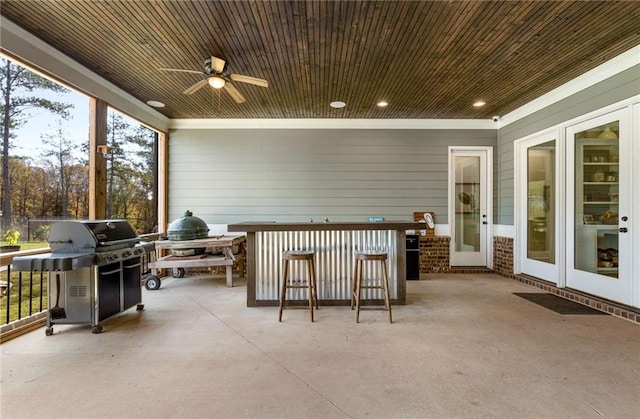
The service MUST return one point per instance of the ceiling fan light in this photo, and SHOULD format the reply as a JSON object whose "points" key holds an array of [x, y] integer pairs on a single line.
{"points": [[216, 82]]}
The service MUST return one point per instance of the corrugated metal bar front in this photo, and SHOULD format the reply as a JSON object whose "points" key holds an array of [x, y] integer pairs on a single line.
{"points": [[334, 260]]}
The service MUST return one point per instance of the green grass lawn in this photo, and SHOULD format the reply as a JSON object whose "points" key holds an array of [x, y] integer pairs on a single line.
{"points": [[24, 299], [28, 245]]}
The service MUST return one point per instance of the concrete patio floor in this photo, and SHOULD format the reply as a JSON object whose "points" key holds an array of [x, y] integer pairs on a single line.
{"points": [[463, 346]]}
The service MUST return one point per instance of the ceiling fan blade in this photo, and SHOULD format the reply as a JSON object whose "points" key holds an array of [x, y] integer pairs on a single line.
{"points": [[181, 70], [217, 64], [234, 93], [250, 80], [199, 85]]}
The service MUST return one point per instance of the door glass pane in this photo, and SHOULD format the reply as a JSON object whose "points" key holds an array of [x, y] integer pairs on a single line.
{"points": [[467, 207], [541, 223], [596, 195]]}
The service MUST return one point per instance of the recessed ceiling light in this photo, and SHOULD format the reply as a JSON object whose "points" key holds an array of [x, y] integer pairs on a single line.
{"points": [[479, 103], [337, 104], [155, 104], [382, 103]]}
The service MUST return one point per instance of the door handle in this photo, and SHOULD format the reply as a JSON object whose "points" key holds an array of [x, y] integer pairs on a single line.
{"points": [[623, 229], [484, 222]]}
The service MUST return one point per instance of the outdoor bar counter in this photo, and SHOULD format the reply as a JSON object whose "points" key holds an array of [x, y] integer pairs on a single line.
{"points": [[333, 244]]}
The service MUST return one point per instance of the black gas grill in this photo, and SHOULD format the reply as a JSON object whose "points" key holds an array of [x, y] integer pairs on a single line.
{"points": [[94, 271]]}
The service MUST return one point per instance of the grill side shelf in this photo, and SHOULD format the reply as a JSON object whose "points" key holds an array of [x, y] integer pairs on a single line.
{"points": [[54, 262]]}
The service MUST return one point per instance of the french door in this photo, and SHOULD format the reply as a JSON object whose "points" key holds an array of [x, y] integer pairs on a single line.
{"points": [[599, 206], [538, 195], [469, 209]]}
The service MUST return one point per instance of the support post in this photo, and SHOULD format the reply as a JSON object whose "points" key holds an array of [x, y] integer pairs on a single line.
{"points": [[97, 161]]}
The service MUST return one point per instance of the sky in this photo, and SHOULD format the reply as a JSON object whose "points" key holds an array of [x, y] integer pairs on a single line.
{"points": [[28, 139]]}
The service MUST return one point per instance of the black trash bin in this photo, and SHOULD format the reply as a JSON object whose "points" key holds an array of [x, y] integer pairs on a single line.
{"points": [[413, 257]]}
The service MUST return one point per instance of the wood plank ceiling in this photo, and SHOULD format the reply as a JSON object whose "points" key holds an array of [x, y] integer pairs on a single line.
{"points": [[427, 59]]}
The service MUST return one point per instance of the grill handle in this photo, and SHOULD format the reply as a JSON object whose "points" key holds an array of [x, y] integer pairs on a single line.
{"points": [[119, 242], [110, 272], [135, 265]]}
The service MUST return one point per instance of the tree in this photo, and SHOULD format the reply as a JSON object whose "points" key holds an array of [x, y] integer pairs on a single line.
{"points": [[20, 169], [144, 138], [44, 197], [61, 148], [130, 172], [17, 84], [117, 128], [79, 190]]}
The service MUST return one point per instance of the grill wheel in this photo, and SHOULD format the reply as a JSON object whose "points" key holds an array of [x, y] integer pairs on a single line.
{"points": [[152, 282]]}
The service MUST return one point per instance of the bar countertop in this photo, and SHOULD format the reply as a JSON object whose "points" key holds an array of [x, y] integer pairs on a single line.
{"points": [[255, 226]]}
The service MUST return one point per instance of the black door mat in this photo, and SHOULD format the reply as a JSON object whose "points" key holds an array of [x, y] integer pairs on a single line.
{"points": [[558, 304]]}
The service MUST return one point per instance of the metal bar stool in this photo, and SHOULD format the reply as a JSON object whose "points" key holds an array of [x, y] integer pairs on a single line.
{"points": [[358, 286], [309, 284]]}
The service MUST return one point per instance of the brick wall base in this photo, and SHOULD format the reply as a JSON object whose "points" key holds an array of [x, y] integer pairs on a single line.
{"points": [[503, 256], [434, 254], [434, 257]]}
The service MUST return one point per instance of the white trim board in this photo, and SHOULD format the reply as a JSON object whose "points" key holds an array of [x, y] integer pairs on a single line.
{"points": [[502, 230], [302, 123]]}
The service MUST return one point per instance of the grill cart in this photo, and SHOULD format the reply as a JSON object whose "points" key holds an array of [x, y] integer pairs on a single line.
{"points": [[94, 271], [191, 246], [226, 250]]}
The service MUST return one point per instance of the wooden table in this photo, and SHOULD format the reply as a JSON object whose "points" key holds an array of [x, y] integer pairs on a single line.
{"points": [[333, 244], [225, 250]]}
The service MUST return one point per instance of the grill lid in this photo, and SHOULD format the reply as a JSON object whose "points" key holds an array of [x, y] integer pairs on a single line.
{"points": [[188, 227], [80, 244], [91, 236]]}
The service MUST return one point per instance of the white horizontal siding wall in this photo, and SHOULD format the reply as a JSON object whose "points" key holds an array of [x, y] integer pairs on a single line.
{"points": [[234, 175]]}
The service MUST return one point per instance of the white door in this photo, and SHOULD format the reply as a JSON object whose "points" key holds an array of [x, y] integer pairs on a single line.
{"points": [[469, 210], [538, 217], [599, 179]]}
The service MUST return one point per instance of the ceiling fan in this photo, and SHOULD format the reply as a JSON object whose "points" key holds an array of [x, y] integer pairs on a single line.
{"points": [[218, 77]]}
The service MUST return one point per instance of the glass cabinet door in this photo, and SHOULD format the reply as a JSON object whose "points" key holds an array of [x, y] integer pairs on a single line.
{"points": [[597, 197], [599, 245]]}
